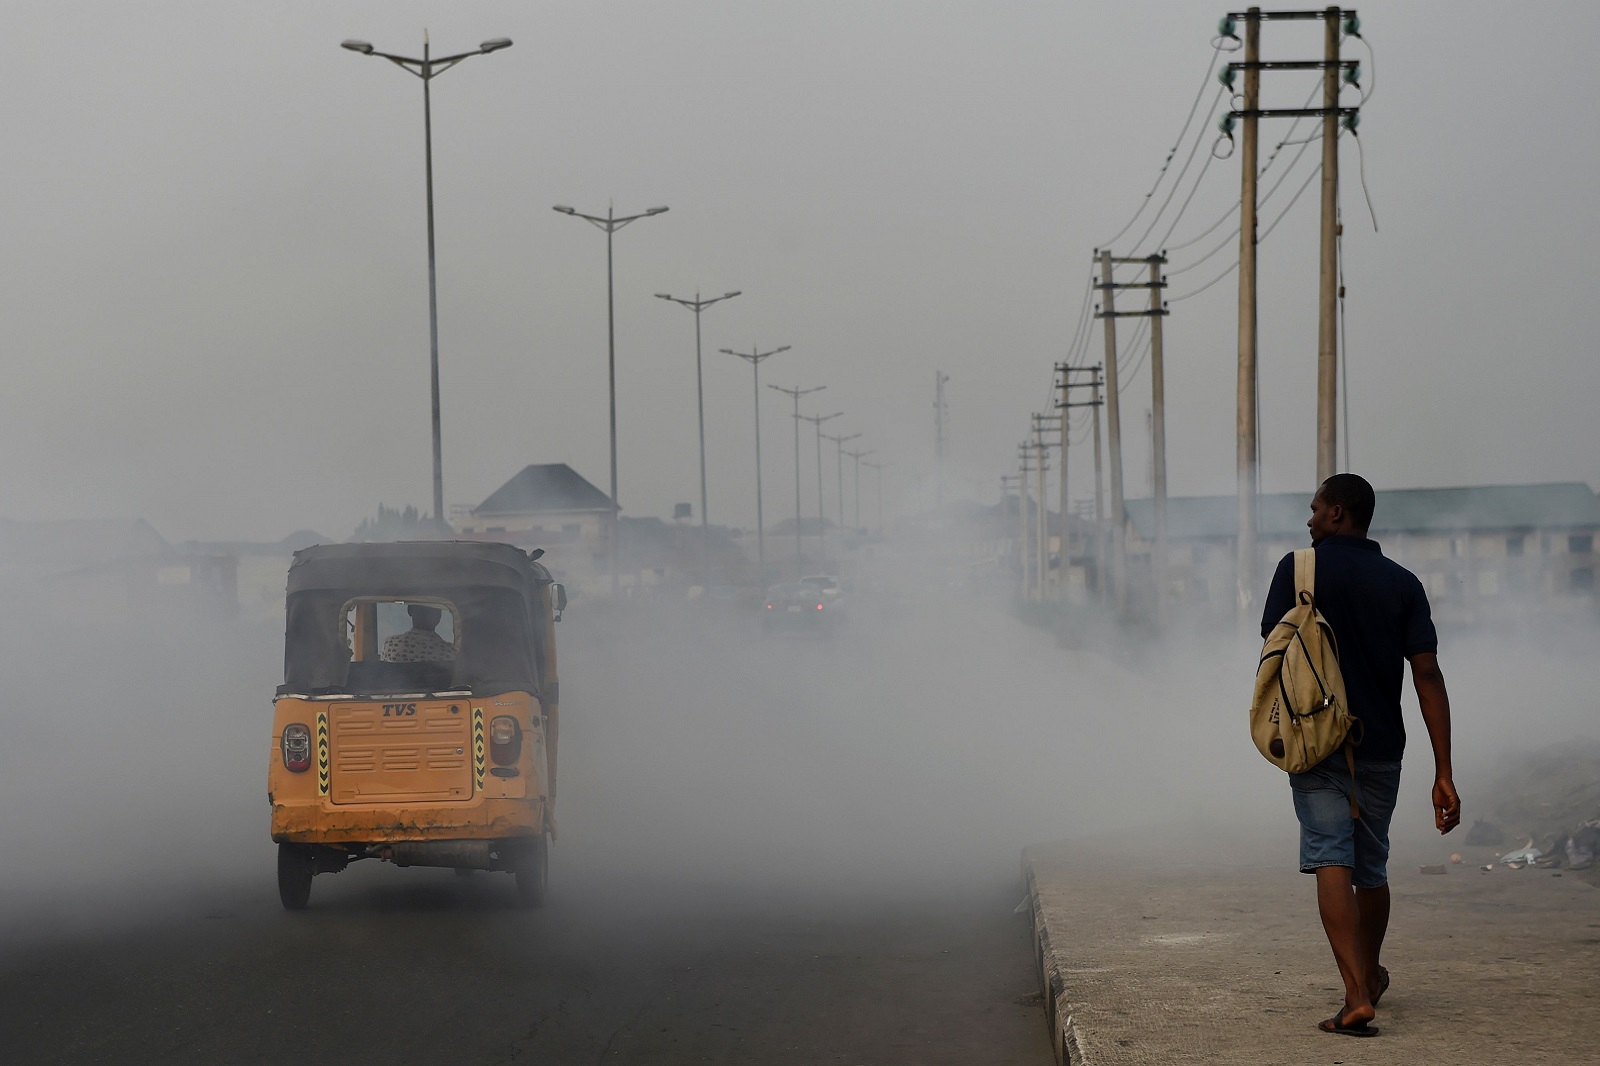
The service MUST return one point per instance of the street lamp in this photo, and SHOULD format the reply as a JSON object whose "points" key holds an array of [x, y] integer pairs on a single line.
{"points": [[610, 224], [822, 519], [697, 305], [878, 467], [858, 456], [839, 443], [755, 358], [427, 68], [797, 392]]}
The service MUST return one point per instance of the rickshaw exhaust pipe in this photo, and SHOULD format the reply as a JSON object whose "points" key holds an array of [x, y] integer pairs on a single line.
{"points": [[461, 854]]}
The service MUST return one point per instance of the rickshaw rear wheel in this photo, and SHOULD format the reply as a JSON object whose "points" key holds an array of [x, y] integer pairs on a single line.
{"points": [[533, 872], [295, 871]]}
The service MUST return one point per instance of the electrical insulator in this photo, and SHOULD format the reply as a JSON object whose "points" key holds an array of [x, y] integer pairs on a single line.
{"points": [[1226, 125], [1352, 76], [1226, 27], [1352, 26], [1351, 121], [1227, 75]]}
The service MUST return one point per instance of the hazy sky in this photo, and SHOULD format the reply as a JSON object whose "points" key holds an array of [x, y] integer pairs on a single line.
{"points": [[213, 256]]}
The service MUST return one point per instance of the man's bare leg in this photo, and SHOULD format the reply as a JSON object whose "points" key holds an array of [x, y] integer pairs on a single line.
{"points": [[1373, 905], [1341, 920]]}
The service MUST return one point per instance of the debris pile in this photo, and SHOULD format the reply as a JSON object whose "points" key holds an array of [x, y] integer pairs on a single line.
{"points": [[1550, 799]]}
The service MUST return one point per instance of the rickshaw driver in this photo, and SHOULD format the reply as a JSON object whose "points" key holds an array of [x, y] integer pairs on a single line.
{"points": [[420, 643]]}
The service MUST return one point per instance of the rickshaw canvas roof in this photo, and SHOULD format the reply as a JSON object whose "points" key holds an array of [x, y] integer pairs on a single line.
{"points": [[412, 568]]}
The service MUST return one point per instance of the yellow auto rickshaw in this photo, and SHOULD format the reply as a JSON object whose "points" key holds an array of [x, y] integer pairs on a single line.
{"points": [[419, 713]]}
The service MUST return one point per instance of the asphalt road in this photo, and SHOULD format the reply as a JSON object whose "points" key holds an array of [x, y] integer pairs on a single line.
{"points": [[771, 851], [406, 966]]}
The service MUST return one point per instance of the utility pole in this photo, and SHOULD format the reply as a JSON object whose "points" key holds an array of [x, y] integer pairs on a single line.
{"points": [[940, 379], [698, 305], [1042, 448], [858, 456], [1066, 404], [1327, 322], [755, 358], [797, 392], [1024, 552], [1158, 435], [1109, 312], [1006, 482], [822, 517], [1328, 281]]}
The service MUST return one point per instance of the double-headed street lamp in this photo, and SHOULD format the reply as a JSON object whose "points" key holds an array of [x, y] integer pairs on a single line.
{"points": [[610, 223], [797, 392], [697, 305], [755, 357], [822, 518], [427, 68], [858, 456], [840, 442]]}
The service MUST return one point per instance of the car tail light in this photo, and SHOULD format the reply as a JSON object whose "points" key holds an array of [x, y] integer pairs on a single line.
{"points": [[819, 606], [505, 739], [296, 748], [769, 606]]}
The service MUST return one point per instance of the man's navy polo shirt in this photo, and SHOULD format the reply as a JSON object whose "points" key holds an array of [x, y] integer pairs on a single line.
{"points": [[1379, 615]]}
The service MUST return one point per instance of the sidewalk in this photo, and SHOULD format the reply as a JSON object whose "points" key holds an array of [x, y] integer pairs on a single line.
{"points": [[1211, 954]]}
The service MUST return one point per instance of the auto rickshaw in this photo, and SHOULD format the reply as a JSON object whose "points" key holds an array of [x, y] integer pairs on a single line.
{"points": [[433, 745]]}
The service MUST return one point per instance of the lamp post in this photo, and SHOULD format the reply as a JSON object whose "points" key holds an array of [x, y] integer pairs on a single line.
{"points": [[858, 456], [878, 467], [797, 392], [822, 518], [840, 442], [610, 224], [427, 68], [755, 357], [697, 305]]}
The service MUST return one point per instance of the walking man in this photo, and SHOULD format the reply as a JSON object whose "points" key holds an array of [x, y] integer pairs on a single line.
{"points": [[1379, 615]]}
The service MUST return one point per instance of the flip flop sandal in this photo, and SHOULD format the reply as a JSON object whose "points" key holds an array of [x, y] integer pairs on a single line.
{"points": [[1383, 985], [1336, 1024]]}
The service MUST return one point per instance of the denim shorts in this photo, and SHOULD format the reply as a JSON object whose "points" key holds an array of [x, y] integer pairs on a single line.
{"points": [[1328, 835]]}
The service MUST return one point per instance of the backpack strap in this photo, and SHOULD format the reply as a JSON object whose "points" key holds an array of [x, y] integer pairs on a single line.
{"points": [[1350, 761], [1305, 575]]}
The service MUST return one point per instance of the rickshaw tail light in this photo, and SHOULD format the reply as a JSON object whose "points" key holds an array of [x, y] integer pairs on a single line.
{"points": [[296, 748], [505, 739]]}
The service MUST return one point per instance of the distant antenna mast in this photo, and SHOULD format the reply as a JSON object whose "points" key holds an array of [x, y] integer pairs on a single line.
{"points": [[940, 378]]}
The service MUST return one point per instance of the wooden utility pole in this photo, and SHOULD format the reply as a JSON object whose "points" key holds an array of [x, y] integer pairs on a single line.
{"points": [[1245, 563], [1119, 552], [1158, 435], [1066, 404], [1335, 20], [1024, 555], [1156, 312], [1042, 448], [1327, 303]]}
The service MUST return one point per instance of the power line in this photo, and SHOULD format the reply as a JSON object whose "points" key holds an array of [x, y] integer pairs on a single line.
{"points": [[1216, 50], [1261, 240], [1176, 182]]}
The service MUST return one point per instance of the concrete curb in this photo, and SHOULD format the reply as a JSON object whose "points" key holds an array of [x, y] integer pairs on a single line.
{"points": [[1066, 1036]]}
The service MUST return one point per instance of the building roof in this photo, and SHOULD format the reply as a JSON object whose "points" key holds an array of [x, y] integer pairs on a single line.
{"points": [[36, 550], [1465, 509], [541, 488]]}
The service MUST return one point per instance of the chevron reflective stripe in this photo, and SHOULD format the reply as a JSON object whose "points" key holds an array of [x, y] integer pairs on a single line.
{"points": [[478, 752], [323, 770]]}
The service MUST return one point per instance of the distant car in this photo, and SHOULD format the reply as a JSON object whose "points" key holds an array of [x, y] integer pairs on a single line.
{"points": [[825, 584], [797, 606]]}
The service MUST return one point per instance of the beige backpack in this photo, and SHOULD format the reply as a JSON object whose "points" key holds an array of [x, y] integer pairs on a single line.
{"points": [[1299, 716]]}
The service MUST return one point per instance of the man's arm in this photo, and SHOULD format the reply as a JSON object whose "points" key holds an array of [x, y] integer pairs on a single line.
{"points": [[1435, 703]]}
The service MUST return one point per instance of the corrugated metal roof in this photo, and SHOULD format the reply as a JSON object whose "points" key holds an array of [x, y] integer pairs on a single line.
{"points": [[1477, 508], [544, 487]]}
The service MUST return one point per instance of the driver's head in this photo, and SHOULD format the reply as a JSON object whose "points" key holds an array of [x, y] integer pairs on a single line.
{"points": [[423, 615]]}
